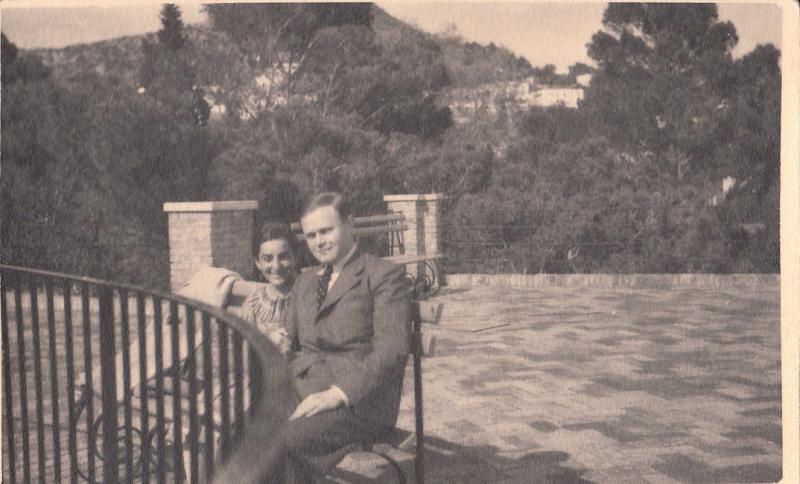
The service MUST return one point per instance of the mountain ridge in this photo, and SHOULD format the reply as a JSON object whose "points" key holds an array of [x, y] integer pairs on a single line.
{"points": [[469, 64]]}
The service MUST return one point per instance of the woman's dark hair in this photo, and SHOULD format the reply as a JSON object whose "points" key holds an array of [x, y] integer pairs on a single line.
{"points": [[272, 231]]}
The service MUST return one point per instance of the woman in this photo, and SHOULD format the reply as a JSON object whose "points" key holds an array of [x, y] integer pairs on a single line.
{"points": [[275, 253]]}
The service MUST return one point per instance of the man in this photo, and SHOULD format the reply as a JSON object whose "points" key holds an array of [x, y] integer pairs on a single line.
{"points": [[350, 320]]}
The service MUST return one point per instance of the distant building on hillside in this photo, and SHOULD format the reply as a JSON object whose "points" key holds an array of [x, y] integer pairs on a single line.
{"points": [[555, 96], [583, 80], [491, 98]]}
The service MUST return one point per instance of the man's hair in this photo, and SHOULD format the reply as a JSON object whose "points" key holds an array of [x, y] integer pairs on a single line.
{"points": [[274, 231], [328, 199]]}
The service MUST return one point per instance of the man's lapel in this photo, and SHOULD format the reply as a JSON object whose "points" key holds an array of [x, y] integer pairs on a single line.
{"points": [[347, 279]]}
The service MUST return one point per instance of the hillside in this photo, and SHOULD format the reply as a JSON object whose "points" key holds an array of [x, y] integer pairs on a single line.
{"points": [[468, 64], [120, 60], [471, 64], [473, 79]]}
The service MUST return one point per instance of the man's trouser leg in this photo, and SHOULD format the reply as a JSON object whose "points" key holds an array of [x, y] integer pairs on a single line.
{"points": [[316, 444], [304, 451]]}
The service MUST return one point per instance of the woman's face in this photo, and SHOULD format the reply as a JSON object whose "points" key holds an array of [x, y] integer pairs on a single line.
{"points": [[277, 263]]}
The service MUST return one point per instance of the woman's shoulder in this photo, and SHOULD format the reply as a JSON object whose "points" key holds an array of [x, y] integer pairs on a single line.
{"points": [[255, 295]]}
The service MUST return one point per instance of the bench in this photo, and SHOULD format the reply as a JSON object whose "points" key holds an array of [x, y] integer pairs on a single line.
{"points": [[426, 279]]}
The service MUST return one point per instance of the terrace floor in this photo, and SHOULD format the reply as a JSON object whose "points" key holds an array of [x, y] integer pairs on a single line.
{"points": [[575, 384]]}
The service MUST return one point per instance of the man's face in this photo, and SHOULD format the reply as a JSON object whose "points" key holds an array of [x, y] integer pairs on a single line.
{"points": [[328, 236]]}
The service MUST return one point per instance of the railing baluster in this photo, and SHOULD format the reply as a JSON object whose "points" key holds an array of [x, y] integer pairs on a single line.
{"points": [[419, 462], [224, 388], [159, 355], [208, 384], [127, 396], [23, 385], [108, 377], [145, 410], [70, 361], [192, 374], [53, 357], [87, 370], [37, 372], [8, 401], [177, 437], [253, 378], [238, 377]]}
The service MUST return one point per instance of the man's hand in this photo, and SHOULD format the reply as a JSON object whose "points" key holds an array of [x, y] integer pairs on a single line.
{"points": [[319, 402]]}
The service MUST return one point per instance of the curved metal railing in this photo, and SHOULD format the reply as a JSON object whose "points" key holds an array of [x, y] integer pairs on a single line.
{"points": [[106, 382]]}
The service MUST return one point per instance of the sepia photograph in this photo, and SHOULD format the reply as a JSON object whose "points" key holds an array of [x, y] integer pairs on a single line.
{"points": [[443, 242]]}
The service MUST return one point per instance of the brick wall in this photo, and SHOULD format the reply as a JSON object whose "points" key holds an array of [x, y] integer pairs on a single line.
{"points": [[215, 234]]}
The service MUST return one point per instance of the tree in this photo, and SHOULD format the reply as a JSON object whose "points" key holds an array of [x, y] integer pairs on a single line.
{"points": [[275, 37], [662, 71], [167, 72], [339, 66], [327, 55], [15, 67], [545, 75], [753, 116], [89, 162], [553, 125], [87, 168], [752, 156], [402, 88], [579, 68], [8, 51], [171, 35], [292, 152], [39, 227]]}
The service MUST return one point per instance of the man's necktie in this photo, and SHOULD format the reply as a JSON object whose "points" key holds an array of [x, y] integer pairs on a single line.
{"points": [[322, 285]]}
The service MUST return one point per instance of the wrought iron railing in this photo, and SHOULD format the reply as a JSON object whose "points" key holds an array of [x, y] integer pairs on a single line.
{"points": [[110, 383]]}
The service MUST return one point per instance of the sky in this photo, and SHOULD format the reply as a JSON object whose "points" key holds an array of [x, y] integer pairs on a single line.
{"points": [[544, 33]]}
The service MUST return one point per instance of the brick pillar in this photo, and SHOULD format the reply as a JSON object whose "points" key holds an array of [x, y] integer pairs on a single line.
{"points": [[215, 234], [423, 218]]}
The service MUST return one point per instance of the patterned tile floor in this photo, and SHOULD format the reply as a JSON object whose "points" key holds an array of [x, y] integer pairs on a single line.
{"points": [[599, 385]]}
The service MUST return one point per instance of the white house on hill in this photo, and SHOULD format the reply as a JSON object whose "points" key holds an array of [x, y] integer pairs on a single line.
{"points": [[554, 96]]}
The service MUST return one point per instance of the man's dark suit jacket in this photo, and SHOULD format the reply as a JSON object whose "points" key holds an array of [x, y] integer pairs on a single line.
{"points": [[359, 338]]}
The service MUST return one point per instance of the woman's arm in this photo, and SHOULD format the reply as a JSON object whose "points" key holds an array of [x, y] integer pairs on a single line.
{"points": [[242, 288]]}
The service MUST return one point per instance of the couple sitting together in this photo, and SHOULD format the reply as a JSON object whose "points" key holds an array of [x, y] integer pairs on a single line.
{"points": [[344, 329]]}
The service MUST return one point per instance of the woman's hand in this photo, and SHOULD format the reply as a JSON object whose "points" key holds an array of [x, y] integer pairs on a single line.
{"points": [[280, 338]]}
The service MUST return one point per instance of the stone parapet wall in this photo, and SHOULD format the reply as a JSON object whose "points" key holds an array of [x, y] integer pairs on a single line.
{"points": [[613, 280]]}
